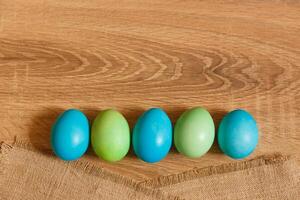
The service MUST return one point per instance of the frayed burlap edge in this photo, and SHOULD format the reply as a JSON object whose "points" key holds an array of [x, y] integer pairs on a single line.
{"points": [[87, 168], [270, 159], [149, 187]]}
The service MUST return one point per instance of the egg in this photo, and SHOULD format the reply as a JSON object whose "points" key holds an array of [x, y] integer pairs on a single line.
{"points": [[194, 132], [70, 135], [152, 135], [110, 135], [238, 134]]}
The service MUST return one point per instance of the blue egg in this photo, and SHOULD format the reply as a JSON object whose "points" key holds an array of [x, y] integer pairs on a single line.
{"points": [[238, 134], [152, 135], [70, 135]]}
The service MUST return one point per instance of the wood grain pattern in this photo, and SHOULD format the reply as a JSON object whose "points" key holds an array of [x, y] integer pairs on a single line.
{"points": [[132, 55]]}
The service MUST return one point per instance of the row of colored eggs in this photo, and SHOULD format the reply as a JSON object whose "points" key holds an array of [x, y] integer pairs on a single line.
{"points": [[194, 133]]}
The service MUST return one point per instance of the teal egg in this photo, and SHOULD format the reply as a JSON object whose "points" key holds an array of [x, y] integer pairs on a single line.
{"points": [[238, 134], [70, 135], [152, 135]]}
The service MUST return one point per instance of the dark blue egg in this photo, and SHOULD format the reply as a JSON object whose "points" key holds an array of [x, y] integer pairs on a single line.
{"points": [[238, 134], [70, 135], [152, 135]]}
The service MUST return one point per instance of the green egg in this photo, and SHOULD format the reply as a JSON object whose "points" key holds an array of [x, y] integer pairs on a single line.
{"points": [[194, 132], [110, 135]]}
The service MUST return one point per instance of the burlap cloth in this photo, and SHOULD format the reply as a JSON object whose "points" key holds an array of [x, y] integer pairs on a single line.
{"points": [[29, 174]]}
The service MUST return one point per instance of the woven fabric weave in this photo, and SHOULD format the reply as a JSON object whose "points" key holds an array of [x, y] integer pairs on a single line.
{"points": [[29, 174]]}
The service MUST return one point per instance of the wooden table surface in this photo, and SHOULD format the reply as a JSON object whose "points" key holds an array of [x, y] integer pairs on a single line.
{"points": [[133, 55]]}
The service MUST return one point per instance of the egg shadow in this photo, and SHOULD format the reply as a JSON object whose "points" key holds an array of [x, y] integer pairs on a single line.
{"points": [[132, 116], [174, 113], [91, 113], [217, 116], [41, 123], [39, 130]]}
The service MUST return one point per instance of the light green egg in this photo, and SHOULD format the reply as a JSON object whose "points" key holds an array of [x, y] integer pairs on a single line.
{"points": [[194, 132], [110, 135]]}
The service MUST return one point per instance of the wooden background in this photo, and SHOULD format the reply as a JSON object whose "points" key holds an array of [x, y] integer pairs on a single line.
{"points": [[132, 55]]}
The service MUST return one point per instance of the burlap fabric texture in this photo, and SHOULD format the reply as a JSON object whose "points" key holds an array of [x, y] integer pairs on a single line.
{"points": [[28, 174]]}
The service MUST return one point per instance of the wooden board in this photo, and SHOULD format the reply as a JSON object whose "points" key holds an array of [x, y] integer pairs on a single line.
{"points": [[133, 55]]}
